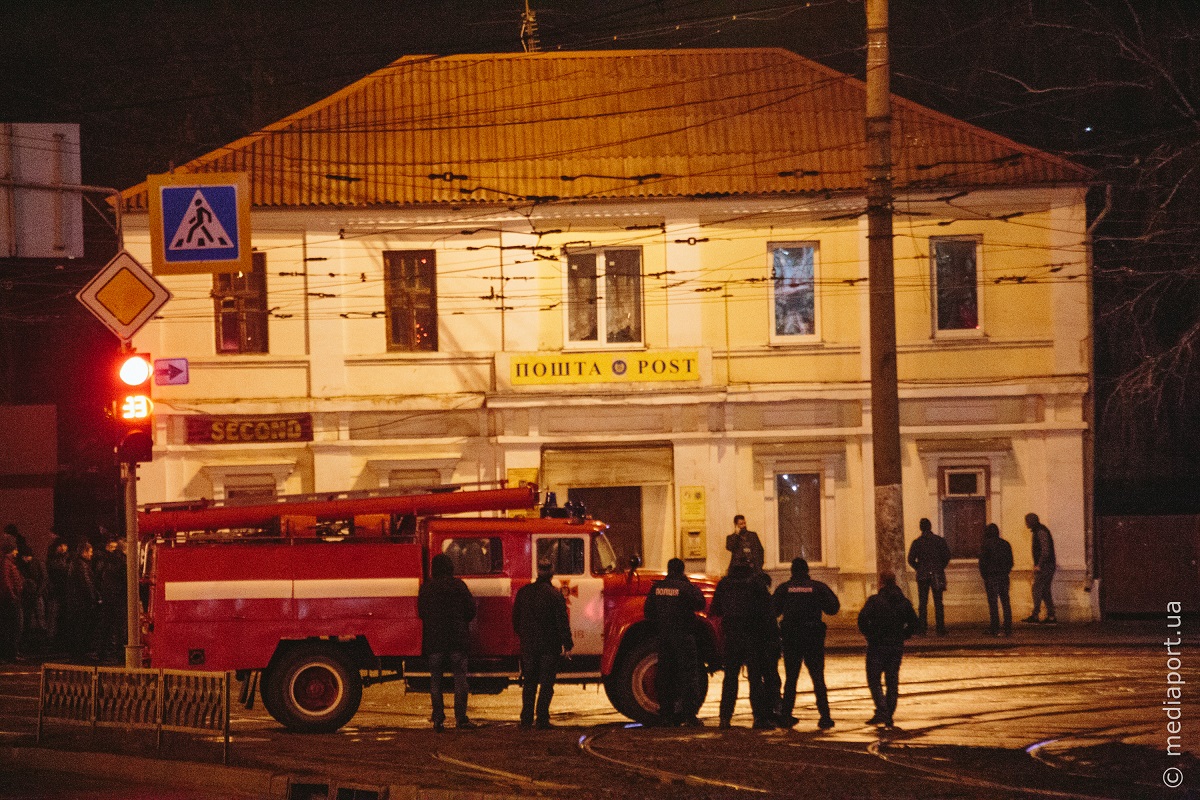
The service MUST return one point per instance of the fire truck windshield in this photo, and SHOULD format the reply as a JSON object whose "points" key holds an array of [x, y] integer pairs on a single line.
{"points": [[604, 560]]}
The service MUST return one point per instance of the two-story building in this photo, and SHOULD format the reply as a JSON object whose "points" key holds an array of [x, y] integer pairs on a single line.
{"points": [[639, 278]]}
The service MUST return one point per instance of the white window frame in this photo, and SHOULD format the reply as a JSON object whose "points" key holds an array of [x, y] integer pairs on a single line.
{"points": [[956, 333], [937, 463], [826, 466], [601, 342], [794, 338]]}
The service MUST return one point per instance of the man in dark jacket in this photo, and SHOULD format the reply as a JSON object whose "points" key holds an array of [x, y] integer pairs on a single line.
{"points": [[801, 602], [79, 616], [110, 570], [544, 628], [671, 608], [744, 546], [995, 563], [886, 620], [743, 605], [12, 588], [446, 608], [929, 556], [1045, 563]]}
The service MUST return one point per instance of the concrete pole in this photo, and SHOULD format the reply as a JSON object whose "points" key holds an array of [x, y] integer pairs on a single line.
{"points": [[885, 402]]}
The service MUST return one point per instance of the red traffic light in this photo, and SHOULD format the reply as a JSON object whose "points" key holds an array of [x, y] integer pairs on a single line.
{"points": [[133, 408]]}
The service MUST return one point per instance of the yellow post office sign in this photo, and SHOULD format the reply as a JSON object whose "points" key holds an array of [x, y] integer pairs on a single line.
{"points": [[617, 367]]}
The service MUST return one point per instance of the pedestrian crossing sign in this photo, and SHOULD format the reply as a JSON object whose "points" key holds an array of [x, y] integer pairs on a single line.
{"points": [[200, 223]]}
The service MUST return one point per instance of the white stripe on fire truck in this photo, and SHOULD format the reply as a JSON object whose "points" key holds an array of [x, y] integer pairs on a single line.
{"points": [[286, 590], [489, 587]]}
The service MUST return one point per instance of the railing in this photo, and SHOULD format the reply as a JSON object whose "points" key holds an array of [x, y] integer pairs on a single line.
{"points": [[174, 700]]}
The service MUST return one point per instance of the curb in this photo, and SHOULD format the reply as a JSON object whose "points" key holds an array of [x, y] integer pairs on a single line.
{"points": [[235, 781]]}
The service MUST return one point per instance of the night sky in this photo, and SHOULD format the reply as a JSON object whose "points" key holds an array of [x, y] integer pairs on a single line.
{"points": [[154, 84]]}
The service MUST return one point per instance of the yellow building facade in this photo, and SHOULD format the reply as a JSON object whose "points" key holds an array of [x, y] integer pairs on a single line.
{"points": [[677, 333]]}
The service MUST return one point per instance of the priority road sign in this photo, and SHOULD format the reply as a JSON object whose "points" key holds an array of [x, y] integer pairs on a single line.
{"points": [[123, 295], [200, 223]]}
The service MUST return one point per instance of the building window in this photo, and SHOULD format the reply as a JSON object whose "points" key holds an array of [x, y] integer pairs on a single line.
{"points": [[955, 284], [250, 490], [963, 495], [604, 296], [240, 301], [793, 290], [410, 292], [798, 504]]}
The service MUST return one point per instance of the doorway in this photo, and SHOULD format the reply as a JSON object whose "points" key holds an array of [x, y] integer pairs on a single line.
{"points": [[621, 508]]}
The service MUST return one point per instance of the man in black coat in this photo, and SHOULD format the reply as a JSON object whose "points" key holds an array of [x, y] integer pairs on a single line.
{"points": [[110, 576], [886, 620], [671, 608], [1045, 563], [929, 556], [541, 622], [744, 546], [995, 563], [743, 604], [446, 608], [801, 602]]}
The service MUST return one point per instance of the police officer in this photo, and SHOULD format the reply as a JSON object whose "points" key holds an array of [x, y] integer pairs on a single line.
{"points": [[801, 602], [743, 604], [541, 623], [671, 608]]}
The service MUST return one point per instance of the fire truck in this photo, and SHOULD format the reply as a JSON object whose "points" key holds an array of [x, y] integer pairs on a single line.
{"points": [[309, 599]]}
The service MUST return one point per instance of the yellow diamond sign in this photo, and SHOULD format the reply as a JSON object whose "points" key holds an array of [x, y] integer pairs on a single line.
{"points": [[124, 295]]}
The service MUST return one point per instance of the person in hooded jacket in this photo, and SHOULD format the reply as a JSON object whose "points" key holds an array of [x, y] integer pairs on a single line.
{"points": [[671, 608], [543, 626], [800, 602], [58, 572], [886, 620], [995, 563], [446, 608]]}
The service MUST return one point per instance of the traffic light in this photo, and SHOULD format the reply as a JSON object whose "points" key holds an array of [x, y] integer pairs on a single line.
{"points": [[133, 409]]}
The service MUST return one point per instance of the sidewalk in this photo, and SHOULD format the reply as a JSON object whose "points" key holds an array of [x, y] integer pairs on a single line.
{"points": [[1109, 634]]}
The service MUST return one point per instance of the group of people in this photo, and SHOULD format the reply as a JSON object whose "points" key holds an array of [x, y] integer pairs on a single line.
{"points": [[929, 556], [73, 602], [446, 608], [759, 627]]}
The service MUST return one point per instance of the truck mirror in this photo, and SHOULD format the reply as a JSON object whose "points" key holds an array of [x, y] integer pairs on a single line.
{"points": [[635, 561]]}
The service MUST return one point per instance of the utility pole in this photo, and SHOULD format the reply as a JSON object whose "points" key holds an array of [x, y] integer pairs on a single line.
{"points": [[885, 400]]}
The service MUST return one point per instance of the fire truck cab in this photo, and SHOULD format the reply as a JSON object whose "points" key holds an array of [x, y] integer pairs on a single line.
{"points": [[317, 598]]}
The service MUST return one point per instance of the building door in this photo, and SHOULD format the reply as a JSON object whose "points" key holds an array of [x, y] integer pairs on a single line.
{"points": [[621, 508]]}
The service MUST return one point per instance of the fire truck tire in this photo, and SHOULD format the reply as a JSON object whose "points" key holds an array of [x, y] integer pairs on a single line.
{"points": [[313, 689], [631, 690]]}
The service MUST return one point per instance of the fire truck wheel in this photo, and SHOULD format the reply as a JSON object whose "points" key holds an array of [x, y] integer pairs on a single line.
{"points": [[314, 690], [631, 686]]}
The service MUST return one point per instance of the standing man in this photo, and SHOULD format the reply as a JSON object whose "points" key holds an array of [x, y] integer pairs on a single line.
{"points": [[12, 587], [541, 622], [1044, 566], [744, 546], [801, 602], [671, 610], [109, 572], [995, 562], [743, 605], [886, 620], [80, 612], [446, 608], [929, 556]]}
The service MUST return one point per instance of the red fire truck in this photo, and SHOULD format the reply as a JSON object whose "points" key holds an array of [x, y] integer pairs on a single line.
{"points": [[312, 598]]}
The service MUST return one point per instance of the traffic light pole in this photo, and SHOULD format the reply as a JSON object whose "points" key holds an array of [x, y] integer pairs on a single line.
{"points": [[134, 651]]}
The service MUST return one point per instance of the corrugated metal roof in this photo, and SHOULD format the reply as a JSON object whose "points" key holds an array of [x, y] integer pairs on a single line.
{"points": [[611, 124]]}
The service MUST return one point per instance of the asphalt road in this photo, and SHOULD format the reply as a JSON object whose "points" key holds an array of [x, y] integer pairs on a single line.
{"points": [[1019, 720]]}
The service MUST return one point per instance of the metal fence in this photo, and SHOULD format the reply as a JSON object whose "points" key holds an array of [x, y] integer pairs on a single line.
{"points": [[177, 700]]}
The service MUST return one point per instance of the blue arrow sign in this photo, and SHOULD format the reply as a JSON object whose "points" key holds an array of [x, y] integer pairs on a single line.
{"points": [[170, 371]]}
